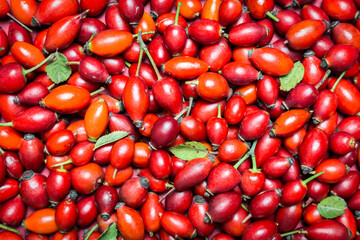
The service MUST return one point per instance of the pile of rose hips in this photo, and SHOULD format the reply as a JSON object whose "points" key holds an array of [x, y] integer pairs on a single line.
{"points": [[219, 131]]}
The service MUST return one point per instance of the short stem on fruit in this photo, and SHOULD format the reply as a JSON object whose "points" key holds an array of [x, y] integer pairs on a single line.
{"points": [[312, 178], [219, 111], [73, 63], [143, 46], [40, 64], [166, 194], [246, 218], [127, 64], [191, 100], [177, 13], [139, 61], [244, 207], [144, 33], [337, 81], [20, 23], [327, 73], [62, 163], [9, 229], [88, 234], [84, 13], [225, 35], [289, 233], [2, 151], [169, 185], [270, 15], [253, 160], [246, 156], [97, 91], [115, 172], [6, 124], [2, 48], [51, 86], [181, 113], [194, 82]]}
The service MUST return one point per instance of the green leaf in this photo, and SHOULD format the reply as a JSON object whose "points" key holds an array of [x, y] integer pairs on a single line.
{"points": [[109, 138], [189, 150], [332, 207], [290, 80], [58, 70], [110, 233]]}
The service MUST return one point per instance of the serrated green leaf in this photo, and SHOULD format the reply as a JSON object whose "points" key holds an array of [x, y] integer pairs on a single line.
{"points": [[332, 207], [290, 80], [109, 138], [58, 70], [110, 233], [189, 150]]}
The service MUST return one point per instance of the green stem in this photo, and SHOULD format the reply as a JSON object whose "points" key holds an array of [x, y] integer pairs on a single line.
{"points": [[20, 23], [6, 124], [140, 58], [143, 46], [253, 160], [270, 15], [219, 111], [290, 233], [181, 113], [25, 72], [177, 13], [194, 82], [127, 64], [91, 231], [337, 81], [2, 48], [327, 73], [9, 229], [73, 63], [241, 161], [62, 163], [145, 33], [191, 99], [312, 178], [97, 91], [2, 151], [115, 172], [244, 207]]}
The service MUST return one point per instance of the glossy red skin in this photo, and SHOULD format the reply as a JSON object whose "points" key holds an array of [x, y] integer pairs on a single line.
{"points": [[328, 126], [341, 57], [8, 189], [40, 38], [15, 72], [312, 215], [347, 95], [222, 236], [66, 215], [354, 201], [193, 129], [164, 132], [276, 166], [240, 73], [267, 90], [293, 54], [205, 31], [349, 159], [17, 33], [50, 11], [159, 7], [122, 153], [131, 10], [33, 191], [121, 122], [82, 153], [232, 149], [88, 27], [258, 8], [345, 33], [117, 85], [14, 168], [12, 212], [268, 24], [311, 11], [264, 204], [229, 12], [191, 48], [194, 172], [179, 201], [244, 17], [266, 147], [150, 213], [3, 43], [74, 53], [333, 169], [167, 94], [326, 229], [160, 164], [348, 220], [135, 98], [93, 70], [254, 33], [342, 10], [10, 235], [347, 186], [234, 225], [289, 122], [32, 94], [302, 96], [305, 34], [350, 125], [95, 7], [322, 46], [71, 235], [222, 206], [222, 178], [177, 224], [147, 73], [9, 109], [217, 130], [251, 182], [132, 53], [87, 211], [77, 80], [113, 18], [216, 55], [293, 192], [196, 215], [106, 198], [254, 125], [177, 165], [271, 184], [158, 51], [271, 61], [313, 72], [167, 19], [287, 218], [262, 229], [183, 68], [293, 142], [31, 153], [134, 192], [87, 178], [287, 19], [234, 109], [60, 142], [156, 185], [175, 38], [149, 121], [310, 156], [58, 185], [341, 143]]}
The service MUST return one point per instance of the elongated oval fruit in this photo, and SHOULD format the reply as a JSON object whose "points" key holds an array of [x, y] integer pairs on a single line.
{"points": [[183, 68], [41, 221], [271, 61], [289, 122]]}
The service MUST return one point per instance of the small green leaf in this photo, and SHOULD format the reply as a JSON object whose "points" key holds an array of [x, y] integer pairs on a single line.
{"points": [[332, 207], [290, 80], [58, 70], [189, 150], [109, 138], [110, 233]]}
